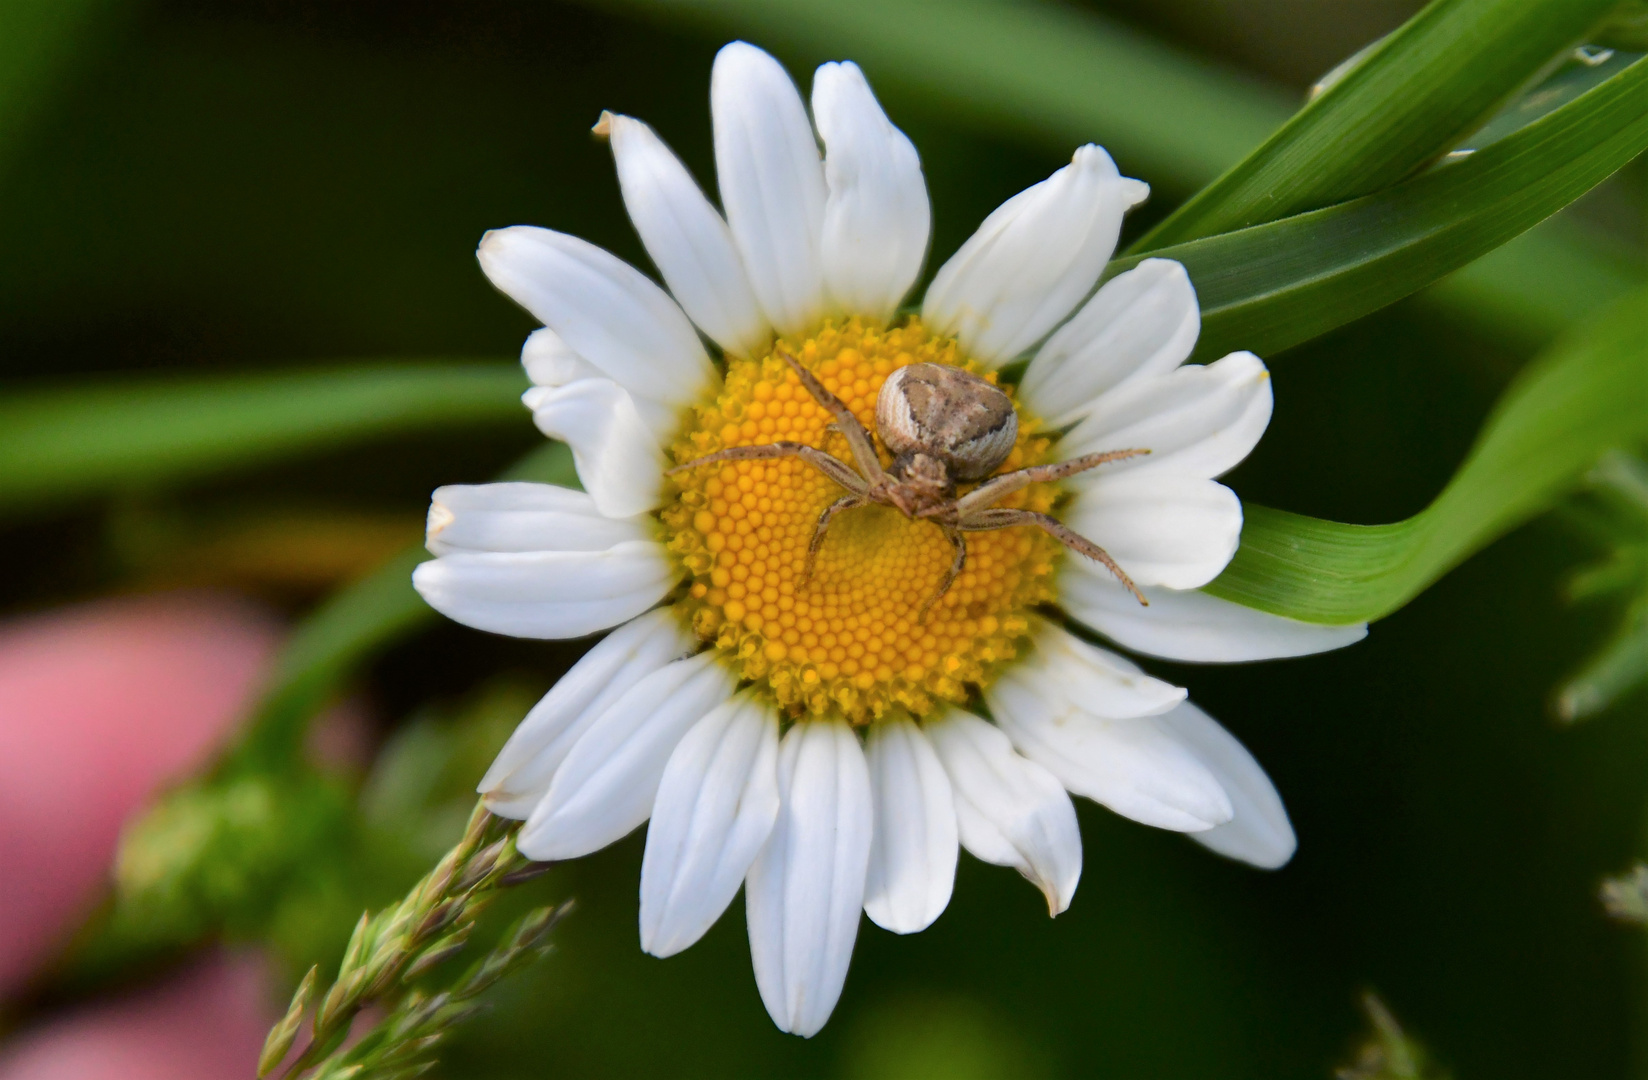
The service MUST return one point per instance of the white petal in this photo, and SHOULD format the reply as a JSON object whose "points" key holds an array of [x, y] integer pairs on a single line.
{"points": [[605, 310], [607, 784], [805, 890], [1163, 528], [617, 454], [1010, 811], [1192, 625], [547, 594], [1198, 421], [1033, 259], [521, 773], [1094, 680], [913, 846], [549, 361], [686, 237], [521, 516], [1136, 767], [876, 218], [1140, 323], [772, 183], [715, 808], [1260, 833]]}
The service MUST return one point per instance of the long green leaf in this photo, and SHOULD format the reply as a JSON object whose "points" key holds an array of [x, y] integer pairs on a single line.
{"points": [[71, 442], [1410, 100], [1272, 286], [1585, 396], [353, 625]]}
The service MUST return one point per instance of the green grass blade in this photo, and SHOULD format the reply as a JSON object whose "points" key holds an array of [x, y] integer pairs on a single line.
{"points": [[1272, 286], [1418, 92], [1585, 396], [351, 626], [68, 443]]}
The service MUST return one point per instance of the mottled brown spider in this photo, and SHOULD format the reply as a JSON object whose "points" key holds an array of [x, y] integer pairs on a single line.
{"points": [[943, 426]]}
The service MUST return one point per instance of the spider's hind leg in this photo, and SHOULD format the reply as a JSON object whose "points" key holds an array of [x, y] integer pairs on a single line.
{"points": [[1000, 518]]}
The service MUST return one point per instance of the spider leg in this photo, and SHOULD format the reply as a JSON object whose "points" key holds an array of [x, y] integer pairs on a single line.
{"points": [[863, 449], [834, 468], [957, 564], [999, 518], [846, 502], [994, 490]]}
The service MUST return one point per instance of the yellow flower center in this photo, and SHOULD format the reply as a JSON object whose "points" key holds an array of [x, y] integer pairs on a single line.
{"points": [[850, 638]]}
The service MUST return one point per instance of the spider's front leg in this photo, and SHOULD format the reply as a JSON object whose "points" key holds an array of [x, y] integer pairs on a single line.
{"points": [[999, 518], [845, 422], [834, 468], [994, 490]]}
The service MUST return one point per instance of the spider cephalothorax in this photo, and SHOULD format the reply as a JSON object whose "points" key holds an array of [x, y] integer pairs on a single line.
{"points": [[943, 426]]}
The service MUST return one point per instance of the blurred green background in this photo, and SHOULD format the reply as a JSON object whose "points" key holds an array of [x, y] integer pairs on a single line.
{"points": [[193, 187]]}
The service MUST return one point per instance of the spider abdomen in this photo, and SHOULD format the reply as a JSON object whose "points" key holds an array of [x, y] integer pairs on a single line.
{"points": [[948, 414]]}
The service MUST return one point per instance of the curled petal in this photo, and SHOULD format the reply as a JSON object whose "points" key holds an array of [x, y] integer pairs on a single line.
{"points": [[1163, 528], [1033, 259], [715, 808], [876, 216], [617, 455], [1260, 833], [913, 845], [523, 769], [1094, 680], [687, 239], [1197, 421], [606, 311], [1140, 323], [806, 888], [547, 594], [1136, 767], [1194, 626], [772, 183], [550, 361], [1009, 810], [607, 784], [519, 516]]}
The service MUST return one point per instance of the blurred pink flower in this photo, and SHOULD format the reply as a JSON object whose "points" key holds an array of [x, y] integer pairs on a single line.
{"points": [[101, 705], [206, 1023]]}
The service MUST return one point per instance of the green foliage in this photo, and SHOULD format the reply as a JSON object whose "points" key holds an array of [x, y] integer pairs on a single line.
{"points": [[1411, 99], [391, 951], [214, 854], [1616, 516], [1567, 409], [1273, 286], [69, 443], [1389, 1052]]}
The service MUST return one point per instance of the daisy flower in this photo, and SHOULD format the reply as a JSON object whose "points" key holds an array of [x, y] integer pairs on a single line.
{"points": [[824, 715]]}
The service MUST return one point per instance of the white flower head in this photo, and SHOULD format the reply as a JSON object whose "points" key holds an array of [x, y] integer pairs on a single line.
{"points": [[785, 692]]}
